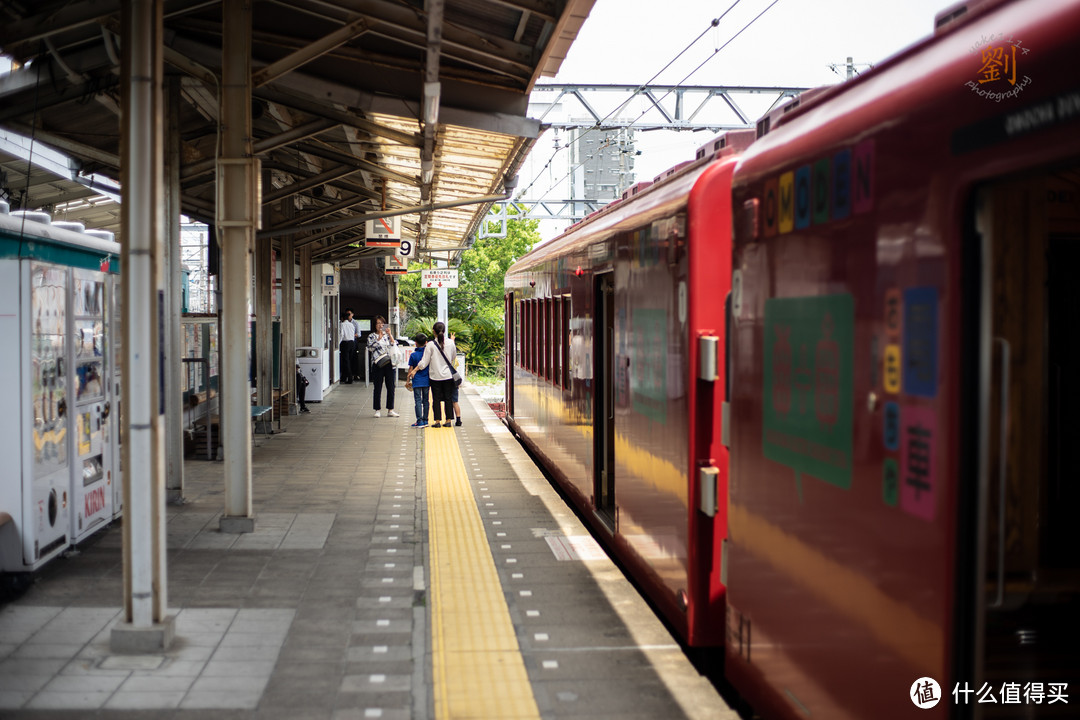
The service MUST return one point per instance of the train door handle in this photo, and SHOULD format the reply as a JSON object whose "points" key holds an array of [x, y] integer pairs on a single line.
{"points": [[1003, 457]]}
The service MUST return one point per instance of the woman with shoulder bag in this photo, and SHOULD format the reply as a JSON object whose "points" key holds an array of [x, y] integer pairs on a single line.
{"points": [[439, 357], [379, 342]]}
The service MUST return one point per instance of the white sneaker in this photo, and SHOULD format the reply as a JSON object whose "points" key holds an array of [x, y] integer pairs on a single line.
{"points": [[391, 413], [378, 414]]}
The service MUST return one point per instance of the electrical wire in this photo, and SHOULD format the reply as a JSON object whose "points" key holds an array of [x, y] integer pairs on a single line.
{"points": [[679, 84], [712, 24]]}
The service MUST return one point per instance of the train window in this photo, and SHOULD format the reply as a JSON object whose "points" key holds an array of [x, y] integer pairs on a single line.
{"points": [[526, 338], [556, 341], [523, 358], [565, 335], [547, 338], [516, 339], [533, 335]]}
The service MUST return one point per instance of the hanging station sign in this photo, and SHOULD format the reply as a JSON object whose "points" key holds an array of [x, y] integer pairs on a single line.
{"points": [[382, 232]]}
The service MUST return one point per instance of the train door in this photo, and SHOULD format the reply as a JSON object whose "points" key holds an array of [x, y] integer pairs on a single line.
{"points": [[510, 340], [1029, 392], [604, 399]]}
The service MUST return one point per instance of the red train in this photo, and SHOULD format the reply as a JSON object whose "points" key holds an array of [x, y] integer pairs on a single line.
{"points": [[849, 470]]}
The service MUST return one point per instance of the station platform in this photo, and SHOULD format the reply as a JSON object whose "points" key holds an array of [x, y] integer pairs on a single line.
{"points": [[393, 573]]}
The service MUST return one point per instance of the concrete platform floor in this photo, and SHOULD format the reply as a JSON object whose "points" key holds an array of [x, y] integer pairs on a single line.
{"points": [[323, 612]]}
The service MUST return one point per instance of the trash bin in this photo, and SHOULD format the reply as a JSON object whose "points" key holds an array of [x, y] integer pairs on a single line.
{"points": [[311, 361]]}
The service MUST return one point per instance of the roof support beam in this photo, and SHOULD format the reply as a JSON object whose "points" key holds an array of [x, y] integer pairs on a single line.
{"points": [[359, 219], [430, 112], [359, 163], [295, 188], [300, 132], [346, 119], [306, 54]]}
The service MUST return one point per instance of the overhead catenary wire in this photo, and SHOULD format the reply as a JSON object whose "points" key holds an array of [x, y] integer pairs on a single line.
{"points": [[642, 114], [712, 24]]}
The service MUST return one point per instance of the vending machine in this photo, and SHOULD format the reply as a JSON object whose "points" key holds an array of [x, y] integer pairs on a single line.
{"points": [[55, 481]]}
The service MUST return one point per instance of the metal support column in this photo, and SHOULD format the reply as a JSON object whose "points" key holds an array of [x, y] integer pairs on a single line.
{"points": [[145, 626], [174, 349], [264, 336], [305, 296], [237, 215], [288, 311]]}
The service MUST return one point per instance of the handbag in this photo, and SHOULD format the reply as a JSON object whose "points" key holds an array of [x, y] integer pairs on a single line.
{"points": [[408, 385], [455, 376], [379, 357]]}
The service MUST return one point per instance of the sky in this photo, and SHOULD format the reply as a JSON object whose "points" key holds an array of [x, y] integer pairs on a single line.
{"points": [[792, 44]]}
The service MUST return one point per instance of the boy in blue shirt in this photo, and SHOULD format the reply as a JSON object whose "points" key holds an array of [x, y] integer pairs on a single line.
{"points": [[420, 382]]}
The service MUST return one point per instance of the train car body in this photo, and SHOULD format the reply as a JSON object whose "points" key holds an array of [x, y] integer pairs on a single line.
{"points": [[607, 326], [60, 438], [903, 359]]}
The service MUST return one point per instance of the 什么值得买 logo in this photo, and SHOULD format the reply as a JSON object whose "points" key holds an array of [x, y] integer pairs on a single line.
{"points": [[997, 68]]}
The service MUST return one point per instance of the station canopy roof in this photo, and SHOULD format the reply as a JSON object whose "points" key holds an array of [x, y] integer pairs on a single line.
{"points": [[338, 108]]}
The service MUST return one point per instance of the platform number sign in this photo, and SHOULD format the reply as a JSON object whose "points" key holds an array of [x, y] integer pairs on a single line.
{"points": [[406, 248]]}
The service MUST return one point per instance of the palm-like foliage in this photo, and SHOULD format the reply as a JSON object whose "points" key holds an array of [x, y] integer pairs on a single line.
{"points": [[479, 338]]}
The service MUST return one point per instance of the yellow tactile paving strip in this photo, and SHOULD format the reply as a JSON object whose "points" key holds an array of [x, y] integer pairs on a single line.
{"points": [[478, 669]]}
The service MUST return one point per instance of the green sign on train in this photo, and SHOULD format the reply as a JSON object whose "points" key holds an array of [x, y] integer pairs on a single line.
{"points": [[808, 402]]}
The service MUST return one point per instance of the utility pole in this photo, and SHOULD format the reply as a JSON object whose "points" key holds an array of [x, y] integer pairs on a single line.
{"points": [[850, 65]]}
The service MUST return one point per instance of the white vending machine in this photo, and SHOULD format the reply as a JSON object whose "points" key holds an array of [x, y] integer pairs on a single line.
{"points": [[55, 453]]}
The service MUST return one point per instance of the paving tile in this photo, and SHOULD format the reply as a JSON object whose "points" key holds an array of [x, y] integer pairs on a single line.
{"points": [[84, 683], [31, 683], [14, 699], [375, 682], [154, 700], [220, 699], [68, 700]]}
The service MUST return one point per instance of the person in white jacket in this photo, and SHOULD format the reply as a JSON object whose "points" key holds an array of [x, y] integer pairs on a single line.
{"points": [[440, 355]]}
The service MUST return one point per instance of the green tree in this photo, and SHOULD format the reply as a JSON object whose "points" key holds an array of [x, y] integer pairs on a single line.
{"points": [[478, 299]]}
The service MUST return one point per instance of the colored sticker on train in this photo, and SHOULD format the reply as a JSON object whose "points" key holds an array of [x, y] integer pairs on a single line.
{"points": [[802, 197], [893, 314], [841, 197], [808, 395], [890, 482], [772, 206], [786, 193], [920, 341], [648, 385], [831, 188], [891, 419], [821, 191], [891, 371], [918, 455]]}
